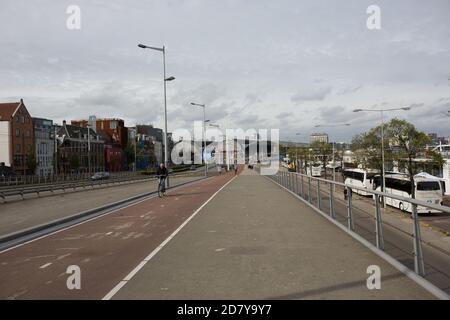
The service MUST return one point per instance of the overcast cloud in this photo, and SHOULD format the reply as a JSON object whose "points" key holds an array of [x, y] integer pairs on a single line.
{"points": [[255, 63]]}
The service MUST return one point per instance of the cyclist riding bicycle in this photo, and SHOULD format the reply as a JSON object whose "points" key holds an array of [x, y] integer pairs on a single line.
{"points": [[162, 174]]}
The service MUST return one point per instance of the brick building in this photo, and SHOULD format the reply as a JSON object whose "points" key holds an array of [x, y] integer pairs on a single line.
{"points": [[115, 135], [74, 155], [16, 137], [115, 128]]}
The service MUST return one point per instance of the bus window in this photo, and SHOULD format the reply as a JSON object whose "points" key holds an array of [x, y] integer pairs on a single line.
{"points": [[359, 176], [428, 186]]}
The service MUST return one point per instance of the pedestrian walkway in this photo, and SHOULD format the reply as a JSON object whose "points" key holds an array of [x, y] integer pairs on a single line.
{"points": [[254, 240]]}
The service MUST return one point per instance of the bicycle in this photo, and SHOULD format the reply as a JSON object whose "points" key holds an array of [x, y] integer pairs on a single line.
{"points": [[161, 186]]}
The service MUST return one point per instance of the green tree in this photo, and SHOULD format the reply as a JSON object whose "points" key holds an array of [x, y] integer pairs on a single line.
{"points": [[31, 161], [366, 148], [409, 143], [129, 154]]}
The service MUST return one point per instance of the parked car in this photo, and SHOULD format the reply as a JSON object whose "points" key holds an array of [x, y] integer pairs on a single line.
{"points": [[193, 167], [100, 176]]}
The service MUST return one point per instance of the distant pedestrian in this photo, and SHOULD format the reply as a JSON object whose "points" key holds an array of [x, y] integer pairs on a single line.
{"points": [[219, 169], [345, 193], [235, 169]]}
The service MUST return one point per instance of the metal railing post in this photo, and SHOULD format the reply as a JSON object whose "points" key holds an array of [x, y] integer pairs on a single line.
{"points": [[289, 181], [319, 202], [419, 266], [350, 223], [378, 226], [309, 190], [302, 193], [332, 209], [296, 184]]}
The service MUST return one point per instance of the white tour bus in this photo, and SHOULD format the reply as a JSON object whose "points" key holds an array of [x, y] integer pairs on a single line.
{"points": [[360, 178], [314, 170], [426, 189]]}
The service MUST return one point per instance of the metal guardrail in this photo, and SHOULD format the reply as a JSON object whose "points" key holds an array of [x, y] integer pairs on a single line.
{"points": [[27, 189], [60, 178], [302, 185]]}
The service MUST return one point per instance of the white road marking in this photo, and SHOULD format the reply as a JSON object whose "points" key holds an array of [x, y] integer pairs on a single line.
{"points": [[88, 220], [45, 265], [119, 286]]}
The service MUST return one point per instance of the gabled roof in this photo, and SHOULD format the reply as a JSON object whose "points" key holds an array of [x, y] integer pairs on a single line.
{"points": [[74, 131], [7, 110]]}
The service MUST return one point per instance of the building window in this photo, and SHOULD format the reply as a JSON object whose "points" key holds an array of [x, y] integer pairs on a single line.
{"points": [[28, 133], [113, 125], [22, 119], [18, 148], [17, 119], [17, 132]]}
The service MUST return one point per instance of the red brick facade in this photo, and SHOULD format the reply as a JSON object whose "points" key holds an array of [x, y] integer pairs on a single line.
{"points": [[22, 134]]}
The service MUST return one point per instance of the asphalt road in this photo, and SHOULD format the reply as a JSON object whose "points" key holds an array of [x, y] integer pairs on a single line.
{"points": [[19, 215]]}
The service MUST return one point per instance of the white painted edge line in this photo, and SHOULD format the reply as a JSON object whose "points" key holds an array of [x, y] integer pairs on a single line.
{"points": [[428, 286], [100, 216], [119, 286]]}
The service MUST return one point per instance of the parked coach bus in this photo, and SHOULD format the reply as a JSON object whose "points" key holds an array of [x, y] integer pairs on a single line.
{"points": [[359, 178], [314, 170], [425, 189]]}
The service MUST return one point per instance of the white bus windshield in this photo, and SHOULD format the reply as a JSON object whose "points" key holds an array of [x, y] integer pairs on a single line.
{"points": [[428, 186]]}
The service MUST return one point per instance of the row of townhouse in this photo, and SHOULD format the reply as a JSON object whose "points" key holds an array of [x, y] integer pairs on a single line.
{"points": [[30, 145]]}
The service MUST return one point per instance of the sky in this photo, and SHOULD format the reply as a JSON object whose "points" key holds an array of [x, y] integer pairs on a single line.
{"points": [[288, 64]]}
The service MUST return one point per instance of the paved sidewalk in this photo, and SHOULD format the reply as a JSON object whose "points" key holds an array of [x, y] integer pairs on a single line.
{"points": [[256, 241]]}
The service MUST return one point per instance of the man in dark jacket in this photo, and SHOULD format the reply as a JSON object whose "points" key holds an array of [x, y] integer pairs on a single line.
{"points": [[162, 173]]}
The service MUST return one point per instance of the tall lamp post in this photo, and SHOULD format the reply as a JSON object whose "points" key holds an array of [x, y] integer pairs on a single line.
{"points": [[165, 79], [334, 148], [382, 139], [204, 141]]}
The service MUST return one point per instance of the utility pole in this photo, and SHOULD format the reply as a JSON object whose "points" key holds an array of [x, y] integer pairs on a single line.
{"points": [[135, 153], [89, 148], [56, 152]]}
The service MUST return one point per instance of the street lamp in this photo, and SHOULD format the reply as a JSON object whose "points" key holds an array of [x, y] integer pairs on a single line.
{"points": [[165, 79], [333, 151], [204, 141], [382, 139]]}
